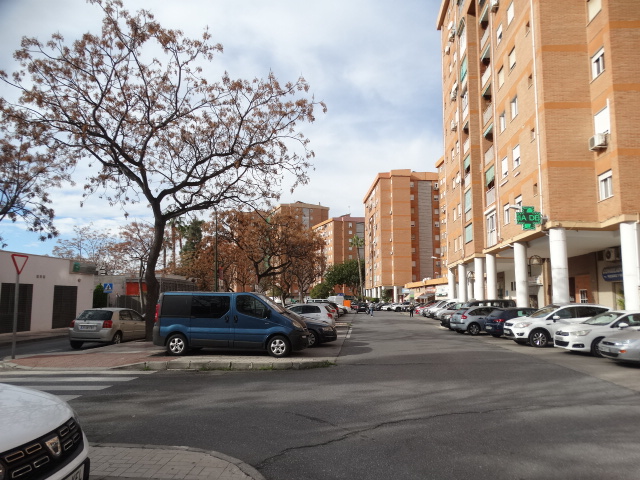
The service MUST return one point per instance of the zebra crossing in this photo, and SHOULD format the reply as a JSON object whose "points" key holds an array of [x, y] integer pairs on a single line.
{"points": [[68, 385]]}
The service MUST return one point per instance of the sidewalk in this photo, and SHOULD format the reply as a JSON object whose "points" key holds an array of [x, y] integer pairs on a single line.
{"points": [[141, 355]]}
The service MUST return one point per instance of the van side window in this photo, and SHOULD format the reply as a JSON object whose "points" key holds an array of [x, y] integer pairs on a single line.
{"points": [[249, 305], [176, 306], [209, 306]]}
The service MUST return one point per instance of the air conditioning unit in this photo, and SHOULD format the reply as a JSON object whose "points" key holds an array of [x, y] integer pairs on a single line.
{"points": [[454, 95], [494, 5], [454, 126], [436, 186], [598, 141], [447, 50], [611, 254], [452, 34]]}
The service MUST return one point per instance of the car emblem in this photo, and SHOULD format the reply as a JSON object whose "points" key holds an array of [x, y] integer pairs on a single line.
{"points": [[54, 446]]}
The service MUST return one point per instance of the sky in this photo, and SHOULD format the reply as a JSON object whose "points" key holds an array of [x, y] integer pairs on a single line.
{"points": [[375, 63]]}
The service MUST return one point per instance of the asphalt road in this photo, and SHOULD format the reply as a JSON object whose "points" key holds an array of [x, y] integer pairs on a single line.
{"points": [[406, 400]]}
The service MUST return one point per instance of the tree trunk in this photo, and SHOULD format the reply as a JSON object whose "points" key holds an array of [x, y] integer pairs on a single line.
{"points": [[153, 287]]}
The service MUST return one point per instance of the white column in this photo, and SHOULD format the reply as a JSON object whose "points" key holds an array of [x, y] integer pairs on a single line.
{"points": [[478, 287], [492, 277], [462, 282], [452, 284], [629, 251], [395, 294], [522, 282], [559, 266]]}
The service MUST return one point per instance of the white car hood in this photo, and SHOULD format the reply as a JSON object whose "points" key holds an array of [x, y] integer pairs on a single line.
{"points": [[28, 414]]}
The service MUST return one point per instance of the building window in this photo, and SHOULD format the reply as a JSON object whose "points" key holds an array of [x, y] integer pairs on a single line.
{"points": [[518, 201], [593, 8], [467, 200], [514, 107], [597, 63], [527, 28], [516, 156], [506, 214], [584, 297], [601, 121], [605, 181], [502, 122], [505, 167], [532, 134], [510, 14], [512, 58], [492, 234], [530, 81], [500, 77], [498, 35], [468, 233]]}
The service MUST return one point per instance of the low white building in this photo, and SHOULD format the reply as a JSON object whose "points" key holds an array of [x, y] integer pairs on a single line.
{"points": [[52, 291]]}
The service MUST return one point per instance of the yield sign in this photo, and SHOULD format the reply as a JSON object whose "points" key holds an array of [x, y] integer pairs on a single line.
{"points": [[19, 261]]}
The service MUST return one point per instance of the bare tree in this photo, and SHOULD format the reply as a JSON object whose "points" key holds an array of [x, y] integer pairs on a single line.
{"points": [[157, 129], [28, 170], [92, 246]]}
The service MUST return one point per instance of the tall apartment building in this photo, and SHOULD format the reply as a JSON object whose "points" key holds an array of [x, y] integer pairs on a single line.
{"points": [[309, 213], [337, 233], [541, 107], [401, 231]]}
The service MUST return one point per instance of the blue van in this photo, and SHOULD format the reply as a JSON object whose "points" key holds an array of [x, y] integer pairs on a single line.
{"points": [[239, 321]]}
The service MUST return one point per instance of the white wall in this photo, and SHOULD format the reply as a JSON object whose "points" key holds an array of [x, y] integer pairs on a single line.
{"points": [[44, 273]]}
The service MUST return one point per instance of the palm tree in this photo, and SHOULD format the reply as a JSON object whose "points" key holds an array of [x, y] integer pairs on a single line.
{"points": [[358, 242]]}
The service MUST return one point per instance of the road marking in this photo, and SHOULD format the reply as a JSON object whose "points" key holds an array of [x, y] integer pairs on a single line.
{"points": [[72, 379]]}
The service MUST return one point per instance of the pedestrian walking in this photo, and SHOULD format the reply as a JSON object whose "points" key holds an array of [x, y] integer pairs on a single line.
{"points": [[371, 309], [412, 307]]}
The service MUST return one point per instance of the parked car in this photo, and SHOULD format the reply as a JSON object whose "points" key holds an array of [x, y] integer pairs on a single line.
{"points": [[586, 336], [494, 323], [450, 309], [239, 321], [623, 347], [498, 303], [316, 311], [361, 307], [429, 310], [433, 312], [41, 437], [319, 332], [470, 319], [106, 325], [539, 328]]}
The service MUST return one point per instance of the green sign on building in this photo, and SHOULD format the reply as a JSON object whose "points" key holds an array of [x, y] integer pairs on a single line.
{"points": [[528, 218]]}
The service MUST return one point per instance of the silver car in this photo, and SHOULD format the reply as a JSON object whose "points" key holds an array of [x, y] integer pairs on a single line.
{"points": [[623, 346], [106, 325], [470, 320]]}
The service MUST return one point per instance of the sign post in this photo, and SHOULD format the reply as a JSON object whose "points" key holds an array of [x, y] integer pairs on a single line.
{"points": [[19, 261]]}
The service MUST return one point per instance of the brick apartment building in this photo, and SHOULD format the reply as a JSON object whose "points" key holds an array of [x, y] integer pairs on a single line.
{"points": [[541, 106], [337, 233], [309, 213], [402, 232]]}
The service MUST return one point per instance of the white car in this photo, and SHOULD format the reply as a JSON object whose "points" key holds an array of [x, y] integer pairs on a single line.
{"points": [[40, 437], [317, 311], [586, 336], [539, 328]]}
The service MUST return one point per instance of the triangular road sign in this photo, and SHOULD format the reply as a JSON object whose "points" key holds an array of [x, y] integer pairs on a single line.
{"points": [[19, 261]]}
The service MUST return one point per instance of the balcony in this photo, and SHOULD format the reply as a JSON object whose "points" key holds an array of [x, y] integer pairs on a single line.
{"points": [[485, 37], [490, 197], [486, 76], [487, 114], [492, 238], [489, 155]]}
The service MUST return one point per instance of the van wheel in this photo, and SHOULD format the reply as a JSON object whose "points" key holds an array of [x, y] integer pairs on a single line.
{"points": [[313, 339], [539, 338], [595, 347], [473, 329], [75, 344], [176, 345], [278, 346]]}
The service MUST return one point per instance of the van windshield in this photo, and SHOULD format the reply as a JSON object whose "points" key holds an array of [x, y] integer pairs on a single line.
{"points": [[275, 306]]}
